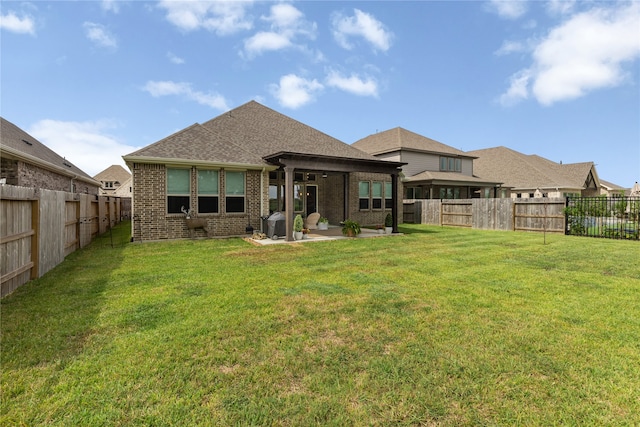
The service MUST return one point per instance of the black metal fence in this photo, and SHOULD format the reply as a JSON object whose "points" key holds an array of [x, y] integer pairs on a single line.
{"points": [[605, 217]]}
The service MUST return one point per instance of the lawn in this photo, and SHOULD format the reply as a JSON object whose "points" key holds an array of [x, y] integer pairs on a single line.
{"points": [[440, 326]]}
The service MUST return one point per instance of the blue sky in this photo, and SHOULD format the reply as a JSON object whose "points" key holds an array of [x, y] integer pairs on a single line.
{"points": [[95, 80]]}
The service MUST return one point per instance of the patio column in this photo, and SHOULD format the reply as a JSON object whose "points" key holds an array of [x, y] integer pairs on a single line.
{"points": [[394, 199], [345, 189], [289, 172]]}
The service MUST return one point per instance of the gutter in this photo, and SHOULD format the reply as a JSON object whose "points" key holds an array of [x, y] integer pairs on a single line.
{"points": [[190, 162], [48, 166]]}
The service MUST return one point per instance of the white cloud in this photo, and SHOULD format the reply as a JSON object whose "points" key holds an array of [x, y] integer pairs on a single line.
{"points": [[294, 91], [510, 47], [221, 17], [508, 9], [174, 58], [263, 41], [284, 16], [98, 34], [110, 5], [88, 145], [560, 7], [168, 88], [353, 84], [15, 24], [518, 89], [286, 24], [363, 25], [587, 52]]}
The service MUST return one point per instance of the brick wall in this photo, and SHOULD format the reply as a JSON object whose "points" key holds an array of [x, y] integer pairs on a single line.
{"points": [[152, 222], [331, 199], [9, 170], [370, 216], [27, 175]]}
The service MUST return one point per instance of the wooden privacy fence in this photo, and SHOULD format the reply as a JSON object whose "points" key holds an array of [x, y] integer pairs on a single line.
{"points": [[39, 228], [535, 214]]}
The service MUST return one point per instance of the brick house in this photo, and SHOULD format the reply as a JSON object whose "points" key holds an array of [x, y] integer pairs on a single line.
{"points": [[26, 162], [530, 176], [249, 162], [433, 170], [115, 181]]}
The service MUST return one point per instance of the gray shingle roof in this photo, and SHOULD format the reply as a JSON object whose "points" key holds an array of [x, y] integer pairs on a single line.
{"points": [[245, 135], [524, 171], [19, 143], [448, 177], [399, 138]]}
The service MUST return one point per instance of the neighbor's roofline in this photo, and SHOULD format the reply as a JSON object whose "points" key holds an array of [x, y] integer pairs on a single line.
{"points": [[46, 165], [415, 150]]}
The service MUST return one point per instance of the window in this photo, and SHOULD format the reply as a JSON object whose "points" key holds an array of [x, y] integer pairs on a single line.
{"points": [[450, 164], [414, 193], [376, 195], [274, 197], [178, 190], [450, 192], [208, 196], [298, 200], [388, 194], [363, 194], [234, 191]]}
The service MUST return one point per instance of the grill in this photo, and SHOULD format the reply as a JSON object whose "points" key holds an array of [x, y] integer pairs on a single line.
{"points": [[275, 226]]}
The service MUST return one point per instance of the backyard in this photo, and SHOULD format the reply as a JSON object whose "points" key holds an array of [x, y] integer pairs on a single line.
{"points": [[439, 326]]}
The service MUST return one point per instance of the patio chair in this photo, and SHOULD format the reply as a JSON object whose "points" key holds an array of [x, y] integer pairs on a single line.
{"points": [[312, 221]]}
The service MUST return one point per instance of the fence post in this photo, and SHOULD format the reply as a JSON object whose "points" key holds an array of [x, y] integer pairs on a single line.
{"points": [[35, 237], [566, 216]]}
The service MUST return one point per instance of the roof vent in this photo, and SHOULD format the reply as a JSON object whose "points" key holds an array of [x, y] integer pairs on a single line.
{"points": [[67, 164], [27, 142]]}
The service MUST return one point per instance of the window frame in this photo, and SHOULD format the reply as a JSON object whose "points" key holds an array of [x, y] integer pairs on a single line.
{"points": [[183, 198], [364, 203], [202, 195], [388, 195], [229, 197], [450, 164], [376, 201]]}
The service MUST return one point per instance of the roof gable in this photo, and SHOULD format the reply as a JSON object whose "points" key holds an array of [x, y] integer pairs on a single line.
{"points": [[519, 170], [401, 139], [246, 135], [113, 173], [19, 143]]}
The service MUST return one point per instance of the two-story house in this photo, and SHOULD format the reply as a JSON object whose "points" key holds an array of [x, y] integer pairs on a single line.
{"points": [[433, 170]]}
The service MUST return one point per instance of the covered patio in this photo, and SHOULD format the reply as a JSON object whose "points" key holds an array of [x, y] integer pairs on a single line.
{"points": [[338, 173]]}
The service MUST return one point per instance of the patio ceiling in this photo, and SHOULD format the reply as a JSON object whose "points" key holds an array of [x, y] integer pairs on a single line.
{"points": [[333, 164]]}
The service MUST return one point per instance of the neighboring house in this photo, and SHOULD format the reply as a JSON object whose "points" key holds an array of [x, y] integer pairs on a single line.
{"points": [[26, 162], [125, 189], [243, 165], [535, 176], [612, 190], [433, 170], [113, 180]]}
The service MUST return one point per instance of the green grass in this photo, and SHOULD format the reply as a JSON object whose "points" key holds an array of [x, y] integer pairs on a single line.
{"points": [[441, 326]]}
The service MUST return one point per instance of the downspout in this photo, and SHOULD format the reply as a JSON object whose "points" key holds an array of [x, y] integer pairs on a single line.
{"points": [[71, 183], [264, 169]]}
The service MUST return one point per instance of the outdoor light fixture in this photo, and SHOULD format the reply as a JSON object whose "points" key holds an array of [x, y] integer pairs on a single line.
{"points": [[324, 174]]}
